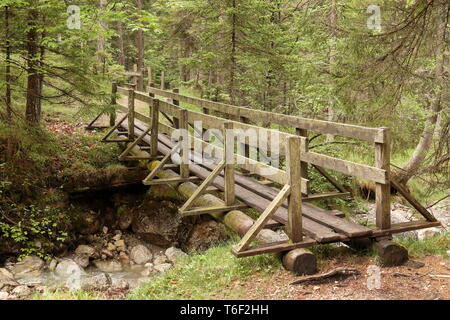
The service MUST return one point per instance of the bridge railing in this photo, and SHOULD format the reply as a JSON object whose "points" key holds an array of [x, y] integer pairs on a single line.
{"points": [[240, 118]]}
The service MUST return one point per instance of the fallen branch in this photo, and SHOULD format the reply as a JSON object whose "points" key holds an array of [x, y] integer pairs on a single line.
{"points": [[333, 273]]}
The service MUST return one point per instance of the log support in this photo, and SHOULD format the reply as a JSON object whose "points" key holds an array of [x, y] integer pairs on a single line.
{"points": [[390, 253]]}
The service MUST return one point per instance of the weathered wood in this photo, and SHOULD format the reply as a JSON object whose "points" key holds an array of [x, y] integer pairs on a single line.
{"points": [[131, 104], [230, 195], [300, 261], [171, 180], [265, 216], [185, 147], [383, 191], [276, 247], [410, 198], [111, 131], [163, 80], [212, 210], [161, 165], [390, 253], [112, 115], [406, 226], [126, 152], [304, 165], [294, 226], [154, 114]]}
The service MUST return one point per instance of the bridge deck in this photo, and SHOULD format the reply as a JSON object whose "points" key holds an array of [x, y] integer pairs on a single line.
{"points": [[320, 225]]}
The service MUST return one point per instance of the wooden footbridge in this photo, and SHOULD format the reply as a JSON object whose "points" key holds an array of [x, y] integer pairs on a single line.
{"points": [[145, 122]]}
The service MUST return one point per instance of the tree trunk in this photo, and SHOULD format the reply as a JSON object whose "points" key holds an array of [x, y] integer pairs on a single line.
{"points": [[101, 40], [332, 63], [426, 139], [232, 85], [121, 45], [140, 50], [32, 113], [7, 67]]}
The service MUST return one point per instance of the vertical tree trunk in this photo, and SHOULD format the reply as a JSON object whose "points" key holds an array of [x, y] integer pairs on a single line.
{"points": [[232, 85], [140, 50], [121, 45], [101, 60], [32, 113], [426, 139], [332, 63], [7, 67]]}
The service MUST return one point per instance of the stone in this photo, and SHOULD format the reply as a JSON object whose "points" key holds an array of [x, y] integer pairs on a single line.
{"points": [[105, 230], [4, 295], [205, 235], [52, 265], [107, 253], [81, 259], [21, 291], [140, 254], [427, 233], [119, 243], [88, 222], [97, 282], [6, 278], [164, 267], [124, 217], [67, 268], [160, 260], [124, 259], [111, 247], [117, 237], [120, 284], [174, 254], [158, 222], [146, 272], [30, 266], [148, 265], [108, 265], [86, 250], [414, 264]]}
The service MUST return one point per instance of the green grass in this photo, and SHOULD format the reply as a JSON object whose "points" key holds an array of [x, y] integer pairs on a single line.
{"points": [[205, 276], [436, 245]]}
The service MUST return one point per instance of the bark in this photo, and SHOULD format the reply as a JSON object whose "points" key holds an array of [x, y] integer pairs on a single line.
{"points": [[232, 85], [121, 45], [332, 63], [32, 113], [101, 60], [418, 157], [140, 50], [8, 67]]}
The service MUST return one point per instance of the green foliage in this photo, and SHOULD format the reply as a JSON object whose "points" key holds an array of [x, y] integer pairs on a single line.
{"points": [[439, 244], [219, 269]]}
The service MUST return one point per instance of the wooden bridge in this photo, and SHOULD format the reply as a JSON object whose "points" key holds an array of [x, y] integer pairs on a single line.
{"points": [[145, 122]]}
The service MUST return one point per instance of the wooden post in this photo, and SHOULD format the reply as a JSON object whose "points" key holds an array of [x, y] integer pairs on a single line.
{"points": [[155, 124], [131, 114], [228, 157], [163, 80], [150, 77], [304, 133], [176, 102], [184, 126], [112, 115], [295, 198], [383, 191]]}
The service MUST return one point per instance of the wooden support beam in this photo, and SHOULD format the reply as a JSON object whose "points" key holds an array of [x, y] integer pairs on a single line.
{"points": [[110, 132], [228, 157], [161, 165], [383, 191], [154, 114], [304, 169], [185, 145], [171, 180], [126, 152], [112, 115], [213, 210], [294, 165], [262, 220], [277, 247], [410, 198], [131, 104], [206, 183]]}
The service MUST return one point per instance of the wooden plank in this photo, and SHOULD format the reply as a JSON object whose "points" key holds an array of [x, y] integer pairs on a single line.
{"points": [[154, 112], [131, 103], [294, 227], [262, 220], [328, 127], [273, 248], [185, 147], [405, 227], [206, 183], [171, 180], [383, 190], [410, 198], [230, 194]]}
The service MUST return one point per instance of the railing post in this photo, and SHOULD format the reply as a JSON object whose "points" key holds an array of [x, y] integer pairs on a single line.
{"points": [[383, 191], [185, 147], [155, 128], [304, 133], [176, 102], [112, 115], [149, 76], [130, 114], [294, 165], [228, 157], [163, 80]]}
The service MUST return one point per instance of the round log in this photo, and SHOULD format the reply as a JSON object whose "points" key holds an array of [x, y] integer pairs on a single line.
{"points": [[300, 261], [390, 253]]}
